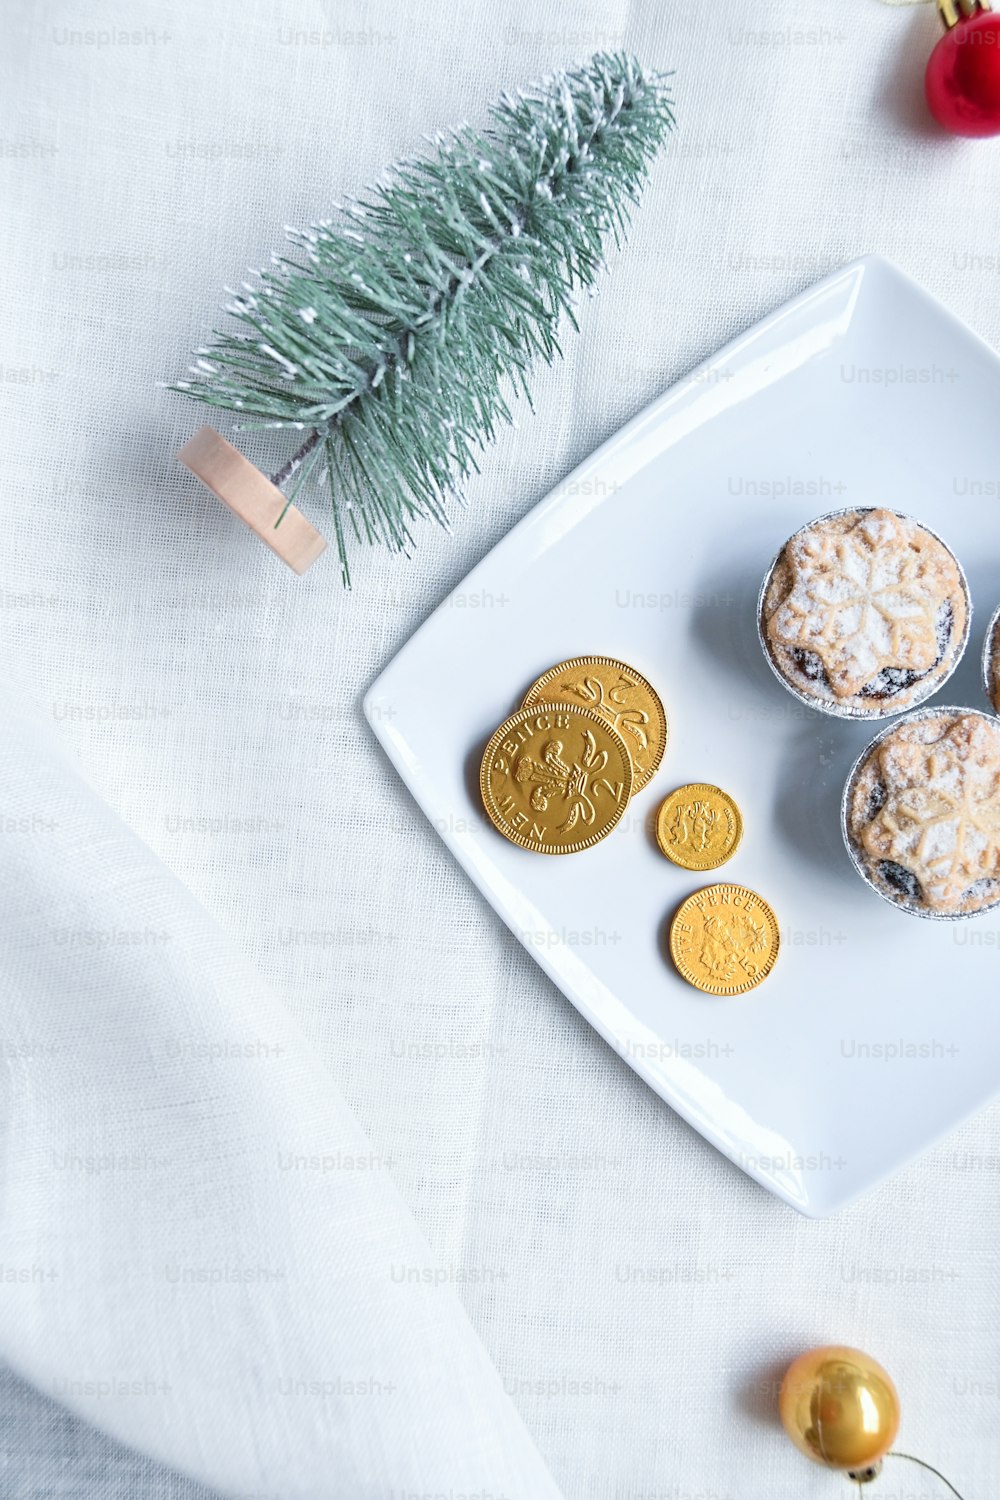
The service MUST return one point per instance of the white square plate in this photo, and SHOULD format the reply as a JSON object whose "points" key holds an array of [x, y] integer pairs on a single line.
{"points": [[877, 1031]]}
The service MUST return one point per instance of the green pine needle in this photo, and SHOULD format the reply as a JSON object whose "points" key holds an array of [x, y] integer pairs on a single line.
{"points": [[390, 336]]}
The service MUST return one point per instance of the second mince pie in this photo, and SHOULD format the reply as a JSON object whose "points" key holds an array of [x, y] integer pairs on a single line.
{"points": [[991, 662], [921, 813], [864, 613]]}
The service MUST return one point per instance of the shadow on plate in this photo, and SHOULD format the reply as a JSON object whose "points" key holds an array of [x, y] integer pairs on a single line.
{"points": [[724, 623], [663, 931], [473, 762], [811, 780]]}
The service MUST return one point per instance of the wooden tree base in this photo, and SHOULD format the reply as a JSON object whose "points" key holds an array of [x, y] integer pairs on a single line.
{"points": [[250, 495]]}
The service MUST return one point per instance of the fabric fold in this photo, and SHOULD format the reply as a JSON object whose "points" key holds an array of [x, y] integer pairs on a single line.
{"points": [[243, 1295]]}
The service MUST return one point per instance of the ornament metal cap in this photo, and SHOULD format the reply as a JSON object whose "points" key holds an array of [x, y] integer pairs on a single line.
{"points": [[249, 494], [953, 11]]}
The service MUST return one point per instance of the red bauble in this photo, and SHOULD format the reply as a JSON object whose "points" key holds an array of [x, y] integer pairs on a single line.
{"points": [[963, 76]]}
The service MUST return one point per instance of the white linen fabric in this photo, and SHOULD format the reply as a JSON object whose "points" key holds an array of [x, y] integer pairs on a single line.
{"points": [[637, 1294], [203, 1252]]}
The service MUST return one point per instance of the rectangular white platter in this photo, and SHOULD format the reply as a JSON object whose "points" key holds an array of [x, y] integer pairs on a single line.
{"points": [[876, 1031]]}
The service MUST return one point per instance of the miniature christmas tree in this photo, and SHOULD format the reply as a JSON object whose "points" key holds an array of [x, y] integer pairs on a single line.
{"points": [[393, 335]]}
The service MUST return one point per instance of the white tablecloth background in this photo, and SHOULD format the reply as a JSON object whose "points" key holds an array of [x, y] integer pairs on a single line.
{"points": [[212, 698]]}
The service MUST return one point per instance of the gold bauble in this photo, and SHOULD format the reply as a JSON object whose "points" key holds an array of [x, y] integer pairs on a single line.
{"points": [[839, 1407]]}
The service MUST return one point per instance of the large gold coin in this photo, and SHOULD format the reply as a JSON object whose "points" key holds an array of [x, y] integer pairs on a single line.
{"points": [[621, 695], [555, 778], [698, 826], [724, 940]]}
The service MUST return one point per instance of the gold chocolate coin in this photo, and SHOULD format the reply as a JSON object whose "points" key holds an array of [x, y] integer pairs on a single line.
{"points": [[724, 940], [622, 696], [555, 778], [698, 826]]}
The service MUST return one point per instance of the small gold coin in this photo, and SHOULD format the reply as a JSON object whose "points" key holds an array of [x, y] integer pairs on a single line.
{"points": [[698, 826], [724, 940], [555, 778], [621, 695]]}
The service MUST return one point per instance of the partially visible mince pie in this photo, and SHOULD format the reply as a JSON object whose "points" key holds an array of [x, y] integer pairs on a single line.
{"points": [[864, 613], [921, 813], [991, 662]]}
